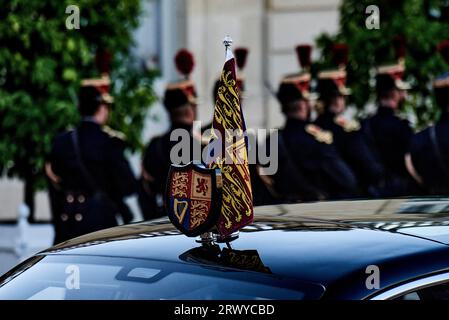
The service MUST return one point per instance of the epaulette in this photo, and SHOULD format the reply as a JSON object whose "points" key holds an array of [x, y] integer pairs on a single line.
{"points": [[320, 134], [114, 133], [347, 125]]}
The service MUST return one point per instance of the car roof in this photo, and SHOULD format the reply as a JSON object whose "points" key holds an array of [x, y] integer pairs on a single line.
{"points": [[299, 241], [426, 217]]}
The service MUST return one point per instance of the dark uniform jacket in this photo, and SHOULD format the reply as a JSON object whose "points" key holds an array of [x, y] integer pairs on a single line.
{"points": [[103, 157], [430, 156], [355, 151], [156, 162], [317, 159], [390, 137]]}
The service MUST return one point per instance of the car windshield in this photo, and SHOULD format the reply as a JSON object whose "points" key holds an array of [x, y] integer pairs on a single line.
{"points": [[99, 278]]}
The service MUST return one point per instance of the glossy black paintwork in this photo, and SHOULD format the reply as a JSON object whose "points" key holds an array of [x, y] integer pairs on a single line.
{"points": [[333, 252]]}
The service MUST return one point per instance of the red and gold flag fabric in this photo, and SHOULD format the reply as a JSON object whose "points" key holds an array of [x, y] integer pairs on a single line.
{"points": [[237, 200]]}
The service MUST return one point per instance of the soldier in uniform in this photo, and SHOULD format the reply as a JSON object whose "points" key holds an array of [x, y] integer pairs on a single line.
{"points": [[428, 158], [180, 101], [89, 173], [180, 104], [348, 138], [387, 133], [317, 170]]}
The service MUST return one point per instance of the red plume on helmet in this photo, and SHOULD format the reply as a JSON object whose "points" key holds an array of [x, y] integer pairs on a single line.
{"points": [[184, 62], [240, 55], [103, 61], [443, 49], [399, 47], [304, 53], [340, 53]]}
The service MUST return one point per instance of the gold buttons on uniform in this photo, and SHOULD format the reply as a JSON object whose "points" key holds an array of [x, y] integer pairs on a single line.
{"points": [[78, 217], [81, 199], [70, 198], [64, 217]]}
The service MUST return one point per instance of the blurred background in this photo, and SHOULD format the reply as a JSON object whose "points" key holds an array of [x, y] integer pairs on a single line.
{"points": [[143, 37], [42, 63]]}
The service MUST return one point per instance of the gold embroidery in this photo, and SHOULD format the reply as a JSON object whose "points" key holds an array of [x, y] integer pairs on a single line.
{"points": [[198, 213], [320, 134], [236, 209], [179, 184], [347, 125], [201, 186], [113, 133], [180, 209]]}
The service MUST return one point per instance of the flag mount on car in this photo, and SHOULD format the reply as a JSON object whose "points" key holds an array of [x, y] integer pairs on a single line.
{"points": [[216, 199]]}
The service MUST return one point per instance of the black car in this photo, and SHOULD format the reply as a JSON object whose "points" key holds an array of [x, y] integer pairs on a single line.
{"points": [[338, 250]]}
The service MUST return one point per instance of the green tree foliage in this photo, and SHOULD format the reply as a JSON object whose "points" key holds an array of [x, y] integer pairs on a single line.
{"points": [[42, 64], [410, 19]]}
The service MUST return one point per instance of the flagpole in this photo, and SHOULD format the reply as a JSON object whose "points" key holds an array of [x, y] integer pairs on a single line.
{"points": [[227, 42]]}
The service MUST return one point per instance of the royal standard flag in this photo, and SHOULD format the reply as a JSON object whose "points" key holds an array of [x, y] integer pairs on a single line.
{"points": [[228, 128]]}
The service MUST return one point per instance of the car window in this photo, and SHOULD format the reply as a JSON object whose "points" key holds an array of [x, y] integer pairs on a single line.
{"points": [[436, 292], [85, 277]]}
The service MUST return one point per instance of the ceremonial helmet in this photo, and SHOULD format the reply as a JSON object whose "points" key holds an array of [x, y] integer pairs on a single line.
{"points": [[95, 91], [332, 83], [296, 86], [390, 76], [182, 92]]}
